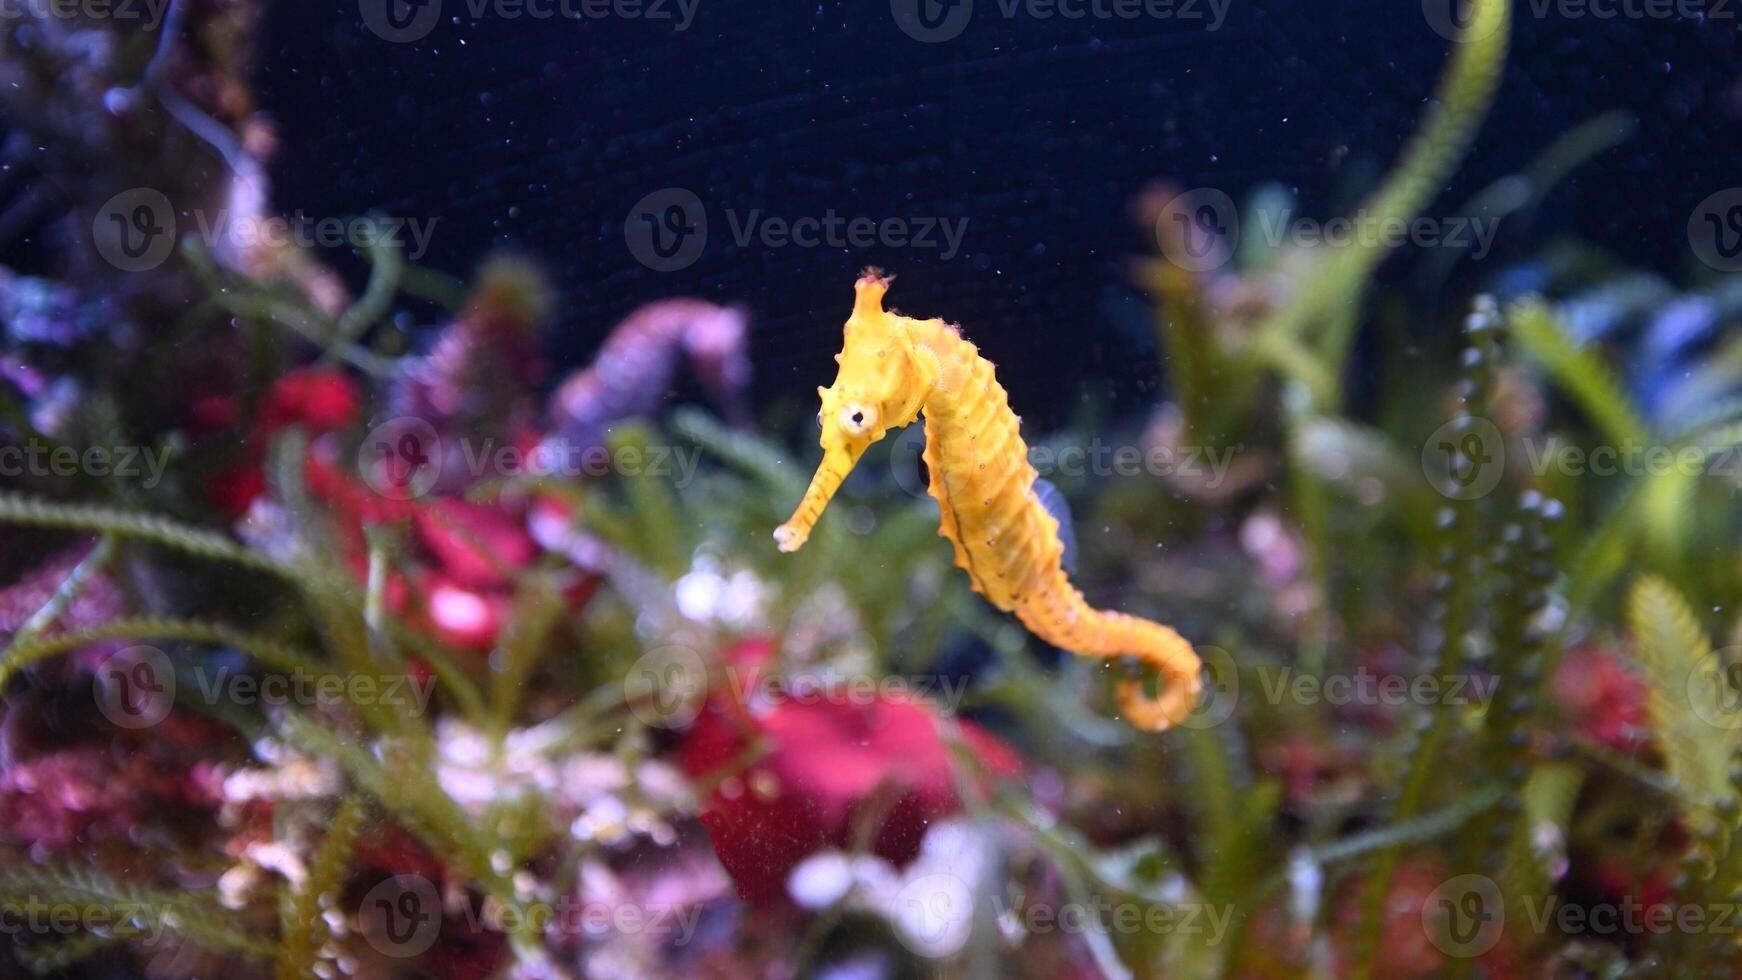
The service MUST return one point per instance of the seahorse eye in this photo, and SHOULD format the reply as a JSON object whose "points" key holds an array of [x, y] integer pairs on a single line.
{"points": [[858, 419]]}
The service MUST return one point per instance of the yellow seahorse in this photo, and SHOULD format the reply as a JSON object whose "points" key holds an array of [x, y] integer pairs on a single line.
{"points": [[891, 368]]}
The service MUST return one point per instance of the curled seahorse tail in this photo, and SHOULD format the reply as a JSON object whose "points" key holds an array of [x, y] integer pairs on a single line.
{"points": [[1176, 662], [1066, 620]]}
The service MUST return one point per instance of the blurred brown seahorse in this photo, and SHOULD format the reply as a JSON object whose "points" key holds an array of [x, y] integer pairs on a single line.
{"points": [[892, 367]]}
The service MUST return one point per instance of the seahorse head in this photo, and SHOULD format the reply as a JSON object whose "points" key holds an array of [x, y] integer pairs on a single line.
{"points": [[882, 383]]}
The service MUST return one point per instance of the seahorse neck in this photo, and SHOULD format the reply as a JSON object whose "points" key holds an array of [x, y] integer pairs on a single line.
{"points": [[956, 361]]}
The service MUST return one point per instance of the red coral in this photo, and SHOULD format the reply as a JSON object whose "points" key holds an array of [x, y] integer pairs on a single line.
{"points": [[321, 400], [85, 795], [389, 848], [1407, 947], [1602, 698], [467, 559], [477, 545], [99, 600], [832, 763]]}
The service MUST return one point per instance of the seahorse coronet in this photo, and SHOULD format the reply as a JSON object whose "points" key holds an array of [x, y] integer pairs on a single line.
{"points": [[1002, 535]]}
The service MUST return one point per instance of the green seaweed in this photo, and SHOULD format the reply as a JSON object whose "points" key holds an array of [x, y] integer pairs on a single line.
{"points": [[132, 910], [1459, 577], [1322, 315], [303, 927]]}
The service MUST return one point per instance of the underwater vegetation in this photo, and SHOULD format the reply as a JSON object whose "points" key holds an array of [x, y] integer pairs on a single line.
{"points": [[387, 649]]}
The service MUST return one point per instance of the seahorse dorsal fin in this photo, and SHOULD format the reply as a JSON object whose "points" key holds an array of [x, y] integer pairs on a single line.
{"points": [[1060, 509]]}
